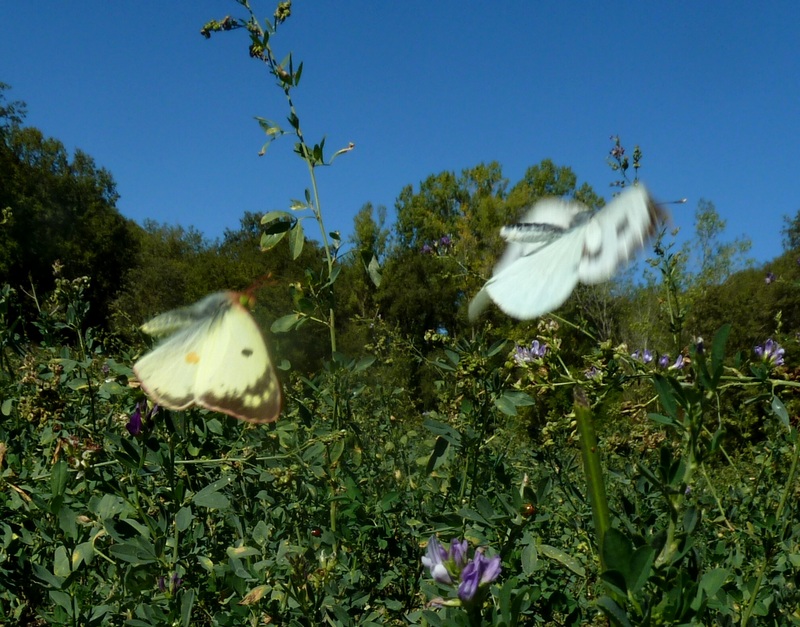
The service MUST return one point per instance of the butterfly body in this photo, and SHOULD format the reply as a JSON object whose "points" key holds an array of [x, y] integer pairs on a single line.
{"points": [[559, 243], [213, 355]]}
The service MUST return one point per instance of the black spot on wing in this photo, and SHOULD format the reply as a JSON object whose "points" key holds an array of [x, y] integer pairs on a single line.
{"points": [[623, 226], [247, 352]]}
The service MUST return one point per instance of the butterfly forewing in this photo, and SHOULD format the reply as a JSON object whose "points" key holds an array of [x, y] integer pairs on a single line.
{"points": [[616, 233]]}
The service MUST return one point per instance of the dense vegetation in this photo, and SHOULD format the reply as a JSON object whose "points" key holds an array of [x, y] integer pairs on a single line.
{"points": [[615, 466]]}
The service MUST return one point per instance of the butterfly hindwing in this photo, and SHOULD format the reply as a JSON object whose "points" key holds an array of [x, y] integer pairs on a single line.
{"points": [[216, 358]]}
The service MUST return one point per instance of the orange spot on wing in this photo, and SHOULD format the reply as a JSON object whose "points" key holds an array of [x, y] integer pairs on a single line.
{"points": [[192, 358]]}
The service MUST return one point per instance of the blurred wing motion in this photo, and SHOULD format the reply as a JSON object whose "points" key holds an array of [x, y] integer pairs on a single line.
{"points": [[213, 356], [561, 242]]}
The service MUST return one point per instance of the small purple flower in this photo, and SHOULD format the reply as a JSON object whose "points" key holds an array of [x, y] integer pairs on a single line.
{"points": [[636, 355], [445, 241], [770, 278], [473, 576], [134, 425], [426, 249], [663, 361], [458, 553], [591, 373], [174, 583], [480, 571], [536, 351], [679, 363], [771, 352], [137, 421], [434, 561], [647, 356]]}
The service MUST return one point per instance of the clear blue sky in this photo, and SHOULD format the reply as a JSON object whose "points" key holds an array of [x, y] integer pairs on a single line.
{"points": [[711, 91]]}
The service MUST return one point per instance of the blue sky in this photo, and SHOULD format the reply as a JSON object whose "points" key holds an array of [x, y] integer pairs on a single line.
{"points": [[710, 91]]}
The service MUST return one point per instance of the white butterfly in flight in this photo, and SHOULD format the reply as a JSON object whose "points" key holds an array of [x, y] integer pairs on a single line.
{"points": [[560, 242], [213, 356]]}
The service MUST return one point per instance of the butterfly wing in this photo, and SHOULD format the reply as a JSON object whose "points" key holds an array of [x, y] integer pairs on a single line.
{"points": [[216, 359], [236, 375], [559, 243], [616, 232], [538, 270]]}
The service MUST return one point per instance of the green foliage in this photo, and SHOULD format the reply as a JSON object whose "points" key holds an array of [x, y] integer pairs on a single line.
{"points": [[401, 423]]}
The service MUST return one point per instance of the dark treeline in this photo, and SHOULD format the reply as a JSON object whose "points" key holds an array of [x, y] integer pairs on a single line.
{"points": [[61, 209]]}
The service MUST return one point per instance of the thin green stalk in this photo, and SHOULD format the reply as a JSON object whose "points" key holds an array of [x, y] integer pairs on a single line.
{"points": [[594, 471]]}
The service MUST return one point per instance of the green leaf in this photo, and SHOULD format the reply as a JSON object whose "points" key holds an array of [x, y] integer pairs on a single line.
{"points": [[6, 407], [439, 449], [58, 479], [270, 241], [297, 240], [187, 603], [183, 519], [530, 559], [610, 607], [336, 450], [560, 556], [444, 430], [713, 580], [779, 409], [61, 562], [666, 396], [279, 221], [286, 323], [210, 496], [45, 575], [364, 363]]}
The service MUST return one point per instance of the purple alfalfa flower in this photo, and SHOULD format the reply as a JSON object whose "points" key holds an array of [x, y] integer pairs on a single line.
{"points": [[426, 249], [458, 553], [134, 425], [636, 355], [770, 278], [591, 373], [434, 561], [771, 352], [524, 354], [663, 361], [647, 356], [140, 416], [480, 571], [679, 363], [445, 241], [175, 582]]}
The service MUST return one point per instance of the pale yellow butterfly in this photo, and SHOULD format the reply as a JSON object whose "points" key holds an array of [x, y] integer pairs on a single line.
{"points": [[559, 243], [213, 355]]}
